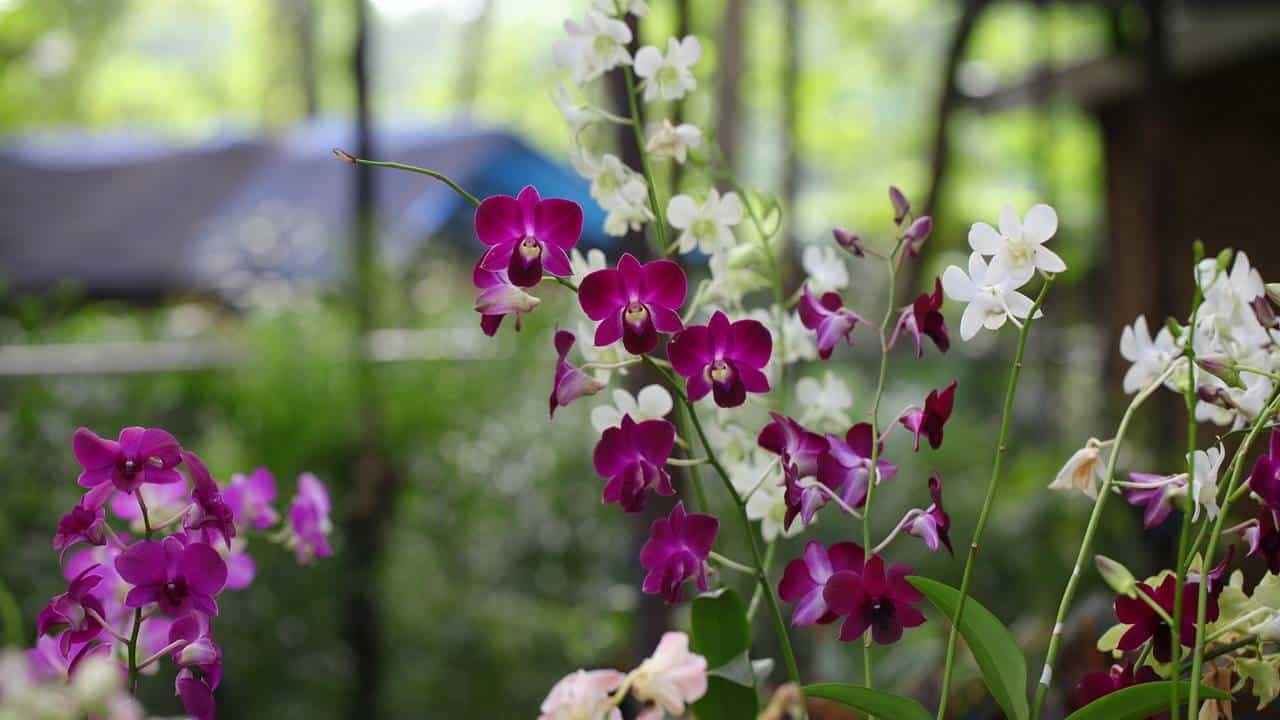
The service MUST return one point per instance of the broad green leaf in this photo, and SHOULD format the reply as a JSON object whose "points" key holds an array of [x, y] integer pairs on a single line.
{"points": [[872, 702], [737, 671], [1137, 702], [999, 658], [722, 635]]}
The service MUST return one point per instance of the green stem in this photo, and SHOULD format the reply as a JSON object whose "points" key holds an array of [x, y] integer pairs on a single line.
{"points": [[661, 221], [1015, 372], [137, 614], [1086, 542], [1203, 587], [409, 168], [732, 564], [1184, 533], [769, 551], [874, 478]]}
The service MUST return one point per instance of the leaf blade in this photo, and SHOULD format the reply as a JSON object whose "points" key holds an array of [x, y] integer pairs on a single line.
{"points": [[722, 634], [872, 702], [1137, 702], [1003, 666]]}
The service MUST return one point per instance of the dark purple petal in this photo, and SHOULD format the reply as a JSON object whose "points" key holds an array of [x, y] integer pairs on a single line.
{"points": [[558, 222], [498, 220], [665, 284], [143, 563], [690, 350], [751, 345]]}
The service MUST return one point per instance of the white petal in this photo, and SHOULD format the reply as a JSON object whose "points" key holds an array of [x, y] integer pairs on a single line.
{"points": [[654, 401], [1041, 223], [971, 321], [985, 239], [994, 320], [956, 284], [1129, 341], [1010, 224], [978, 270], [730, 210], [1020, 305], [605, 417], [682, 211], [1009, 272], [688, 52], [648, 60], [1048, 260]]}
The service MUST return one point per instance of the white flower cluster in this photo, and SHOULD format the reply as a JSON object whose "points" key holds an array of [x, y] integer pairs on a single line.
{"points": [[1237, 345], [32, 687], [1017, 251], [594, 46]]}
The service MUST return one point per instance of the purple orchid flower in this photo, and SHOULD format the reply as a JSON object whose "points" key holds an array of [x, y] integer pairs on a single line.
{"points": [[1265, 478], [85, 523], [1157, 499], [1147, 625], [932, 525], [499, 298], [676, 551], [723, 359], [1099, 684], [209, 512], [180, 577], [913, 239], [928, 421], [798, 450], [804, 582], [196, 695], [309, 523], [634, 302], [924, 318], [633, 457], [876, 599], [901, 206], [846, 466], [141, 455], [250, 499], [1263, 537], [527, 235], [198, 650], [75, 609], [829, 318], [240, 567], [570, 382], [850, 241]]}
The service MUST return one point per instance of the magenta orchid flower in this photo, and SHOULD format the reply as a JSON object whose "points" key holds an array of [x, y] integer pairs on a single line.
{"points": [[1263, 538], [874, 598], [74, 609], [570, 382], [1099, 684], [250, 499], [924, 318], [677, 551], [829, 318], [85, 523], [799, 450], [722, 358], [930, 419], [196, 695], [633, 457], [309, 522], [180, 577], [634, 302], [527, 235], [932, 525], [208, 512], [804, 582], [1156, 497], [198, 651], [1145, 624], [846, 466], [498, 298], [141, 455], [1264, 481]]}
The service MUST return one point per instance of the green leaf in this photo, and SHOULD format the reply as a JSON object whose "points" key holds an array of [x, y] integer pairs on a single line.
{"points": [[738, 671], [722, 634], [999, 658], [872, 702], [1140, 701]]}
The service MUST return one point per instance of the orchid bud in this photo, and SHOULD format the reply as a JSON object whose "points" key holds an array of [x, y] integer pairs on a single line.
{"points": [[916, 234], [1263, 311], [1175, 329], [1215, 396], [503, 299], [200, 652], [1221, 367], [1117, 576], [1224, 260], [849, 240], [901, 205]]}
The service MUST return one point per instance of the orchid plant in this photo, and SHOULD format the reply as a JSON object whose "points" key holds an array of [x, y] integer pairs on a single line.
{"points": [[146, 590]]}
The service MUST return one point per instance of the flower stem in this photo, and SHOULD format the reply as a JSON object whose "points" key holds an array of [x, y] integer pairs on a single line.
{"points": [[1014, 373], [1086, 542], [661, 221], [409, 168], [1184, 533], [732, 564], [1202, 593], [769, 551], [874, 475]]}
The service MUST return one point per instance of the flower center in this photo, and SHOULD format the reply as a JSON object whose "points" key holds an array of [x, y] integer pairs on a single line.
{"points": [[603, 45], [175, 591], [667, 75], [881, 612], [130, 468], [721, 372], [704, 229], [530, 248], [1019, 250], [636, 314]]}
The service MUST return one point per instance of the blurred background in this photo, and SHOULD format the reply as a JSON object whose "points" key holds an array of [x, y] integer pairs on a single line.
{"points": [[178, 248]]}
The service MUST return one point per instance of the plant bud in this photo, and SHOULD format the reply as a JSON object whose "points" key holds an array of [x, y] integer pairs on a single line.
{"points": [[1174, 328], [1224, 260], [849, 240], [1264, 312], [1221, 367], [901, 206], [916, 234], [1117, 576]]}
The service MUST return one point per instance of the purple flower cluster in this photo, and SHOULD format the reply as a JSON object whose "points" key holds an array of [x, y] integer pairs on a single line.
{"points": [[154, 594]]}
